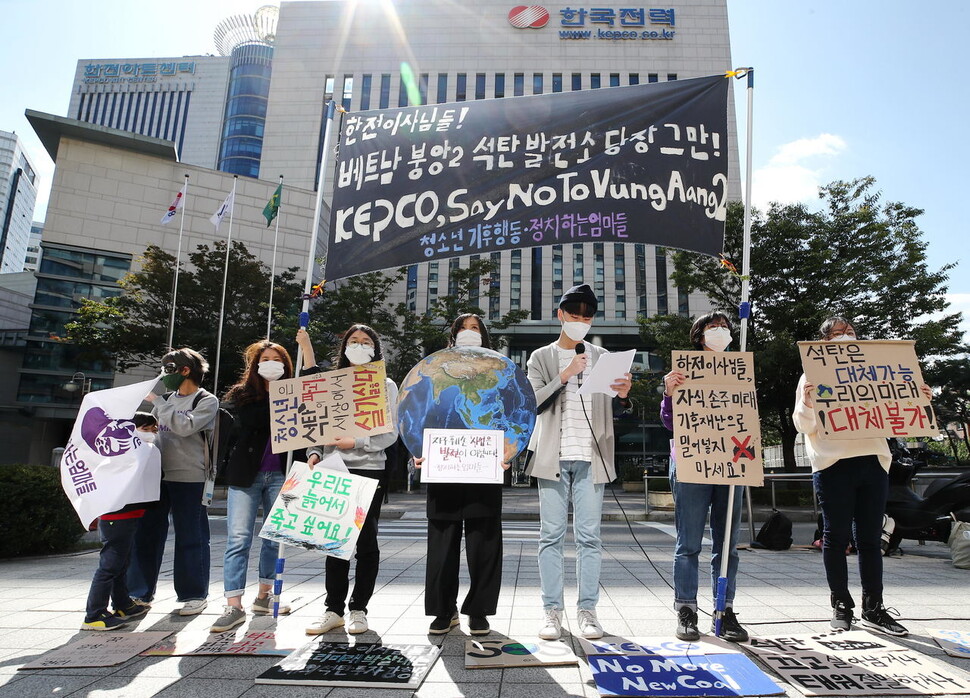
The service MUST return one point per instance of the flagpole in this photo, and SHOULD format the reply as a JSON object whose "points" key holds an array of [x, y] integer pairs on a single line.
{"points": [[305, 316], [178, 261], [225, 278], [272, 273], [744, 312]]}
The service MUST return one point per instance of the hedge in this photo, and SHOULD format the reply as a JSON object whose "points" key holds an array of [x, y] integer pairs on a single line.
{"points": [[36, 517]]}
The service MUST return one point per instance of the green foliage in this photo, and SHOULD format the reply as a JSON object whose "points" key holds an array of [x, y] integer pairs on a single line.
{"points": [[36, 517]]}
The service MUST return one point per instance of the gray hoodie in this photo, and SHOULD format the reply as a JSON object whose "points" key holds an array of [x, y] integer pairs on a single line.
{"points": [[181, 434]]}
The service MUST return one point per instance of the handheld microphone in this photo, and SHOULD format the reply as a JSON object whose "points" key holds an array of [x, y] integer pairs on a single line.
{"points": [[580, 350]]}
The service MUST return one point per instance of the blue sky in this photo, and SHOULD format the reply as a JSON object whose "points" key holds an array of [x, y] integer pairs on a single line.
{"points": [[842, 90]]}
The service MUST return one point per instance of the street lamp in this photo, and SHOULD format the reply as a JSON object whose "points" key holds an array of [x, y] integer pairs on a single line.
{"points": [[78, 382]]}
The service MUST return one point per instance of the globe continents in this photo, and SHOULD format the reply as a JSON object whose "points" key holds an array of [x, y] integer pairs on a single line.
{"points": [[467, 388]]}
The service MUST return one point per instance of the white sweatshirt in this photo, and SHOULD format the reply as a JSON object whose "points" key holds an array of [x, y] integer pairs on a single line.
{"points": [[824, 452]]}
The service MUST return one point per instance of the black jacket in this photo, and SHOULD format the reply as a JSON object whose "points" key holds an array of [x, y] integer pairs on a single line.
{"points": [[247, 443], [456, 502]]}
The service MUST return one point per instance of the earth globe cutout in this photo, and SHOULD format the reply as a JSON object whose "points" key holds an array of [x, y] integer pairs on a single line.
{"points": [[467, 388]]}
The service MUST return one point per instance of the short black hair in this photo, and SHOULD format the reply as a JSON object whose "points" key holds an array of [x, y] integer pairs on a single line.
{"points": [[189, 358], [697, 329], [341, 360], [144, 419], [826, 327], [578, 308]]}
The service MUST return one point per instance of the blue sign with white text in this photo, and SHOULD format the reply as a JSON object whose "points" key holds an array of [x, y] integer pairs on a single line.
{"points": [[697, 675]]}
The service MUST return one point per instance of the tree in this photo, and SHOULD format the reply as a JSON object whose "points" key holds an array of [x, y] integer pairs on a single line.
{"points": [[952, 402], [132, 328], [857, 257]]}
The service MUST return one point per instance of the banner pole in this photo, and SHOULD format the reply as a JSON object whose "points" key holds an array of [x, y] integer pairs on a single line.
{"points": [[272, 272], [305, 315], [744, 312], [178, 261], [222, 305]]}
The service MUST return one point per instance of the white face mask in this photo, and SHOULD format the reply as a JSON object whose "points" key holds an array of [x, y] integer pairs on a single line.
{"points": [[468, 338], [271, 370], [717, 338], [147, 436], [842, 338], [359, 354], [576, 331]]}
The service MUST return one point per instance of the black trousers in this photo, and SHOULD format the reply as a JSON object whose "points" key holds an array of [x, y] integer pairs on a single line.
{"points": [[367, 554], [483, 552]]}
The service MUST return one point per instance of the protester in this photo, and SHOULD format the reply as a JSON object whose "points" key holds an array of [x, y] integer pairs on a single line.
{"points": [[117, 532], [692, 504], [363, 456], [477, 509], [573, 446], [185, 417], [851, 479], [254, 475]]}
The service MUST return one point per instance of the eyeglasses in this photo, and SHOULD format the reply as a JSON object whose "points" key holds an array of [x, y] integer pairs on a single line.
{"points": [[170, 368]]}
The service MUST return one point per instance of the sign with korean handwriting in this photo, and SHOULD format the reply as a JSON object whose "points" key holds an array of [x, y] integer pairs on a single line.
{"points": [[98, 650], [320, 509], [644, 163], [867, 389], [243, 641], [316, 409], [856, 663], [463, 455], [717, 434]]}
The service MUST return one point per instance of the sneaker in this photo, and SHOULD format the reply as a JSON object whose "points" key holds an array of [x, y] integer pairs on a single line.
{"points": [[264, 607], [478, 625], [687, 625], [441, 625], [881, 618], [104, 621], [552, 629], [358, 623], [589, 625], [731, 629], [841, 616], [193, 607], [230, 618], [330, 621], [133, 610]]}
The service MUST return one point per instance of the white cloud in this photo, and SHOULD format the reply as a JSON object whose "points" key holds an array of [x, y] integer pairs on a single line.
{"points": [[796, 170]]}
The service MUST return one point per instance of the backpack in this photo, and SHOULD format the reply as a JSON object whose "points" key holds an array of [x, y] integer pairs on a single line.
{"points": [[775, 533], [217, 440]]}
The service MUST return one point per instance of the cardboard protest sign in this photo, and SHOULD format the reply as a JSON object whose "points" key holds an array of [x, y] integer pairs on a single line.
{"points": [[311, 410], [244, 642], [463, 455], [717, 432], [856, 663], [867, 389], [98, 649], [955, 643], [499, 654], [320, 509], [661, 646], [321, 663]]}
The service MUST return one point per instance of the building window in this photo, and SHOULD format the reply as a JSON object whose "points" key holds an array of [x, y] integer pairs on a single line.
{"points": [[412, 285], [614, 79], [515, 281], [536, 283], [480, 86], [402, 93], [683, 303], [518, 84], [577, 263], [474, 288], [594, 81], [634, 78], [652, 77], [423, 88], [537, 83], [599, 277], [365, 84], [640, 257], [577, 81], [619, 285], [557, 82], [432, 282], [671, 76], [453, 266], [442, 87], [385, 90], [662, 307], [495, 299], [499, 85], [461, 83], [348, 92], [557, 275]]}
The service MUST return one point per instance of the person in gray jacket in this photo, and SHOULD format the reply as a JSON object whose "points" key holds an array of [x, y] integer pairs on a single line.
{"points": [[573, 449]]}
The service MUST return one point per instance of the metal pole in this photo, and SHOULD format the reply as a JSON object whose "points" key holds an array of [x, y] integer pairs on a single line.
{"points": [[222, 305], [178, 261], [272, 272]]}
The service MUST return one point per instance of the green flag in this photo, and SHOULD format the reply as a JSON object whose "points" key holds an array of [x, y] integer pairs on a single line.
{"points": [[273, 206]]}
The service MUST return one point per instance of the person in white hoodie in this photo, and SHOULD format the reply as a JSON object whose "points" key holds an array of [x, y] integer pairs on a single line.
{"points": [[851, 479]]}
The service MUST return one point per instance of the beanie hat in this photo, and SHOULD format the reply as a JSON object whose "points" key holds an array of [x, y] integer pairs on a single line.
{"points": [[580, 294]]}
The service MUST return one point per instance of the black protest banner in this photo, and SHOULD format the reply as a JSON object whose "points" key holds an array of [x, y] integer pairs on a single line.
{"points": [[646, 163]]}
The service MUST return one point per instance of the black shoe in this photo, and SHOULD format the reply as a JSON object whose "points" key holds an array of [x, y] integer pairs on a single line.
{"points": [[731, 629], [841, 616], [881, 618], [135, 610], [687, 625], [478, 625], [442, 624]]}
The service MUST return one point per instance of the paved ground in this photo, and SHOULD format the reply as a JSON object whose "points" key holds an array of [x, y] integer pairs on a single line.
{"points": [[42, 601]]}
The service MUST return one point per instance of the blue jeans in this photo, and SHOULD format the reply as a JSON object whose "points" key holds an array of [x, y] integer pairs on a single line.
{"points": [[692, 502], [852, 491], [110, 581], [191, 521], [576, 480], [242, 505]]}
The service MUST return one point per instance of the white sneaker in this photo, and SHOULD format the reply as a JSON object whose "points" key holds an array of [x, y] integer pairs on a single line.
{"points": [[589, 626], [357, 623], [552, 630], [330, 621], [193, 607]]}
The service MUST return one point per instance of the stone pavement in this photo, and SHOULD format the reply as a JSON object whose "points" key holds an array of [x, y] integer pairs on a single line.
{"points": [[42, 602]]}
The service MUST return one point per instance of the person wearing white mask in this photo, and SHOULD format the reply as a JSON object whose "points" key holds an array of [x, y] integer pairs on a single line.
{"points": [[254, 475], [363, 456], [573, 459], [693, 502], [851, 478]]}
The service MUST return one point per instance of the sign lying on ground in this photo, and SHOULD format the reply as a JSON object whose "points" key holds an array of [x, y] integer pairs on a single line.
{"points": [[717, 432], [955, 643], [499, 654], [244, 642], [98, 649]]}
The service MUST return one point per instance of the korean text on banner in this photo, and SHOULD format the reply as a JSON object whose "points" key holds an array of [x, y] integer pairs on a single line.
{"points": [[463, 455], [717, 434], [646, 163], [867, 389], [311, 410], [320, 509], [105, 465]]}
